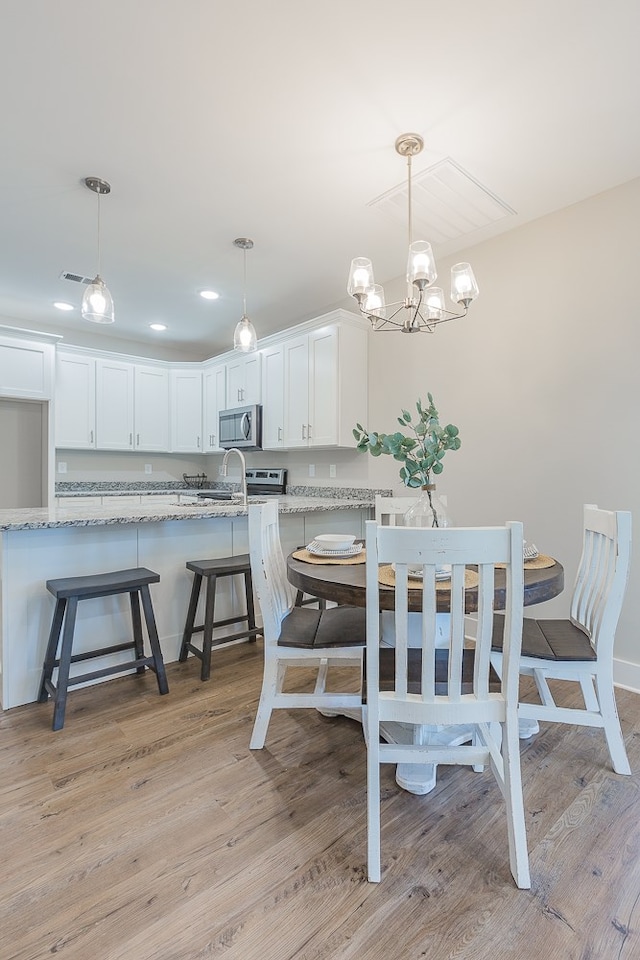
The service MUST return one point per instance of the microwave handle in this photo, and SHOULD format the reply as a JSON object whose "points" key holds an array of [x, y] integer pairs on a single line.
{"points": [[245, 426]]}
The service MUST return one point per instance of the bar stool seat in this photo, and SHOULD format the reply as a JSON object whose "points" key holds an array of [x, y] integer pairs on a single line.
{"points": [[68, 592], [210, 570]]}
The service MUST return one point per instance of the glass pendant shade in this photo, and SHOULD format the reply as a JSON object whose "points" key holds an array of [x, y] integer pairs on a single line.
{"points": [[360, 277], [374, 302], [97, 303], [421, 265], [434, 303], [244, 337], [464, 288]]}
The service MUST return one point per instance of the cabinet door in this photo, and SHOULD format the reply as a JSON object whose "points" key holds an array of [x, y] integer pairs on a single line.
{"points": [[114, 405], [186, 411], [296, 392], [75, 402], [214, 381], [323, 387], [273, 398], [244, 384], [151, 408]]}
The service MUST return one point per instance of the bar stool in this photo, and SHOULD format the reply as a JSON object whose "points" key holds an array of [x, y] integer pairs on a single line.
{"points": [[68, 592], [211, 570]]}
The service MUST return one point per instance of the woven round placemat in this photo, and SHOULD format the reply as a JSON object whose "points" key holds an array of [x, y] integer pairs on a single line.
{"points": [[304, 554], [541, 562], [387, 575]]}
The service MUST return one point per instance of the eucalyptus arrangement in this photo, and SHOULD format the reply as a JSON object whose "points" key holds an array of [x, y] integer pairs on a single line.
{"points": [[420, 451]]}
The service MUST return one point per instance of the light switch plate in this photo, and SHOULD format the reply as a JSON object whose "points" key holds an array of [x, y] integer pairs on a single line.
{"points": [[312, 469], [332, 471], [62, 467], [148, 468]]}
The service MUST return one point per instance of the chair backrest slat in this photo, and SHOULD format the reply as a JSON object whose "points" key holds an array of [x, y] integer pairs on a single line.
{"points": [[268, 568], [602, 575]]}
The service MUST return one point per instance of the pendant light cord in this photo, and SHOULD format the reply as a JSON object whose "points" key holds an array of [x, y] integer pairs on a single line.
{"points": [[244, 288], [409, 196], [99, 249]]}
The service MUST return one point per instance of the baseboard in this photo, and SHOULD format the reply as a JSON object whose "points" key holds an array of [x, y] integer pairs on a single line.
{"points": [[626, 675]]}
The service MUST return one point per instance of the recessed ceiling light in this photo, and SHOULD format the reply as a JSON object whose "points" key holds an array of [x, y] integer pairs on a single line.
{"points": [[209, 294], [61, 305], [158, 326]]}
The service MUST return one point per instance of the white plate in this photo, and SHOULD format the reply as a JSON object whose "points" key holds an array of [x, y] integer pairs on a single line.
{"points": [[320, 551], [530, 551], [443, 573]]}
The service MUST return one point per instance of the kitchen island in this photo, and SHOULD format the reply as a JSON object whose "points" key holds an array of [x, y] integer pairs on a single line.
{"points": [[43, 543]]}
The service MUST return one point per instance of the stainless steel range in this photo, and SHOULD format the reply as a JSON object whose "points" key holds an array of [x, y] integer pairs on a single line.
{"points": [[261, 482]]}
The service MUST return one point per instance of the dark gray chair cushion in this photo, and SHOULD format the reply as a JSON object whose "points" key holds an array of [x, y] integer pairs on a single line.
{"points": [[312, 629], [548, 639]]}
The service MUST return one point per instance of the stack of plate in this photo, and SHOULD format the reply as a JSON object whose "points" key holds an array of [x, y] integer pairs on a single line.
{"points": [[338, 545]]}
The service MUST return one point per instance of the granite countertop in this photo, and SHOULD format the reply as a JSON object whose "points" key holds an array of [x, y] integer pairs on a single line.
{"points": [[40, 518]]}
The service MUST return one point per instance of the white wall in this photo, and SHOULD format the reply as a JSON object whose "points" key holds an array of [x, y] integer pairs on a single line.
{"points": [[542, 379]]}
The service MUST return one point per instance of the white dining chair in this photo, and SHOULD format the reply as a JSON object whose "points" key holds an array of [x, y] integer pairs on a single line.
{"points": [[451, 686], [388, 510], [297, 636], [580, 648]]}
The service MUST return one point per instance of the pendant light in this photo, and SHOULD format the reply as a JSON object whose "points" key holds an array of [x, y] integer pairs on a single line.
{"points": [[97, 302], [244, 338], [424, 306]]}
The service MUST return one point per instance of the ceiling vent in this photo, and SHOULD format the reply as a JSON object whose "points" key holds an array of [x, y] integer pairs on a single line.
{"points": [[76, 277], [447, 203]]}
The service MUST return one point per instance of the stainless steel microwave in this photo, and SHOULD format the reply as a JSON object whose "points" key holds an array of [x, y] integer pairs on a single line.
{"points": [[241, 427]]}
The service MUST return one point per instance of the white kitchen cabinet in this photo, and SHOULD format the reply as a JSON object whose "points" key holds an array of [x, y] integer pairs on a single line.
{"points": [[115, 425], [244, 381], [151, 408], [186, 410], [325, 386], [26, 366], [214, 386], [75, 401], [273, 398]]}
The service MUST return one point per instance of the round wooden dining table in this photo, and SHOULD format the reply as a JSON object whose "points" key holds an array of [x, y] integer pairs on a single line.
{"points": [[346, 584]]}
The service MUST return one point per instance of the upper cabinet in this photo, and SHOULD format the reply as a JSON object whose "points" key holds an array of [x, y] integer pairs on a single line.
{"points": [[75, 403], [325, 386], [26, 365], [214, 391], [186, 410], [151, 408], [273, 398], [244, 382], [114, 405]]}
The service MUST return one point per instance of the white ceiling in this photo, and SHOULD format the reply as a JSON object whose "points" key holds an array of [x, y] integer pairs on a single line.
{"points": [[276, 120]]}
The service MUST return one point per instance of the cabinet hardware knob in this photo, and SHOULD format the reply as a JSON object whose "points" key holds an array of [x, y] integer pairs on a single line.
{"points": [[137, 439], [279, 433], [304, 427], [91, 437], [130, 439]]}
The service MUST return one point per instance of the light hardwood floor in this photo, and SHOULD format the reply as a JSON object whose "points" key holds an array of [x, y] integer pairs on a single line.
{"points": [[147, 829]]}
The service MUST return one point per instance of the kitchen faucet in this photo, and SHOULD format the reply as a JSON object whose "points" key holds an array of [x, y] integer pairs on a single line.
{"points": [[243, 479]]}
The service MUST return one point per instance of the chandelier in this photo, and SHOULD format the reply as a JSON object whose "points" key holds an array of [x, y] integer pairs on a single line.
{"points": [[244, 337], [97, 302], [424, 306]]}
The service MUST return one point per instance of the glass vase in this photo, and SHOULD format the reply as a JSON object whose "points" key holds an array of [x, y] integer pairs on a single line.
{"points": [[428, 510]]}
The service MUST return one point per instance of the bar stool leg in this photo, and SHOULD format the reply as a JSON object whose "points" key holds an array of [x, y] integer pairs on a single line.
{"points": [[154, 641], [136, 622], [251, 613], [64, 665], [191, 617], [207, 636], [52, 649]]}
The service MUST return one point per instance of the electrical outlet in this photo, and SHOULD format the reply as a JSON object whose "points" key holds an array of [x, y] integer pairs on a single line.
{"points": [[62, 467], [148, 468], [312, 469], [332, 471]]}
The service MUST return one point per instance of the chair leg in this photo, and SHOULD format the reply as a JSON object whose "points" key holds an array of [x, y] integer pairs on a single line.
{"points": [[373, 804], [154, 642], [251, 613], [207, 634], [612, 729], [136, 622], [516, 826], [64, 665], [191, 617], [52, 649], [271, 684]]}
